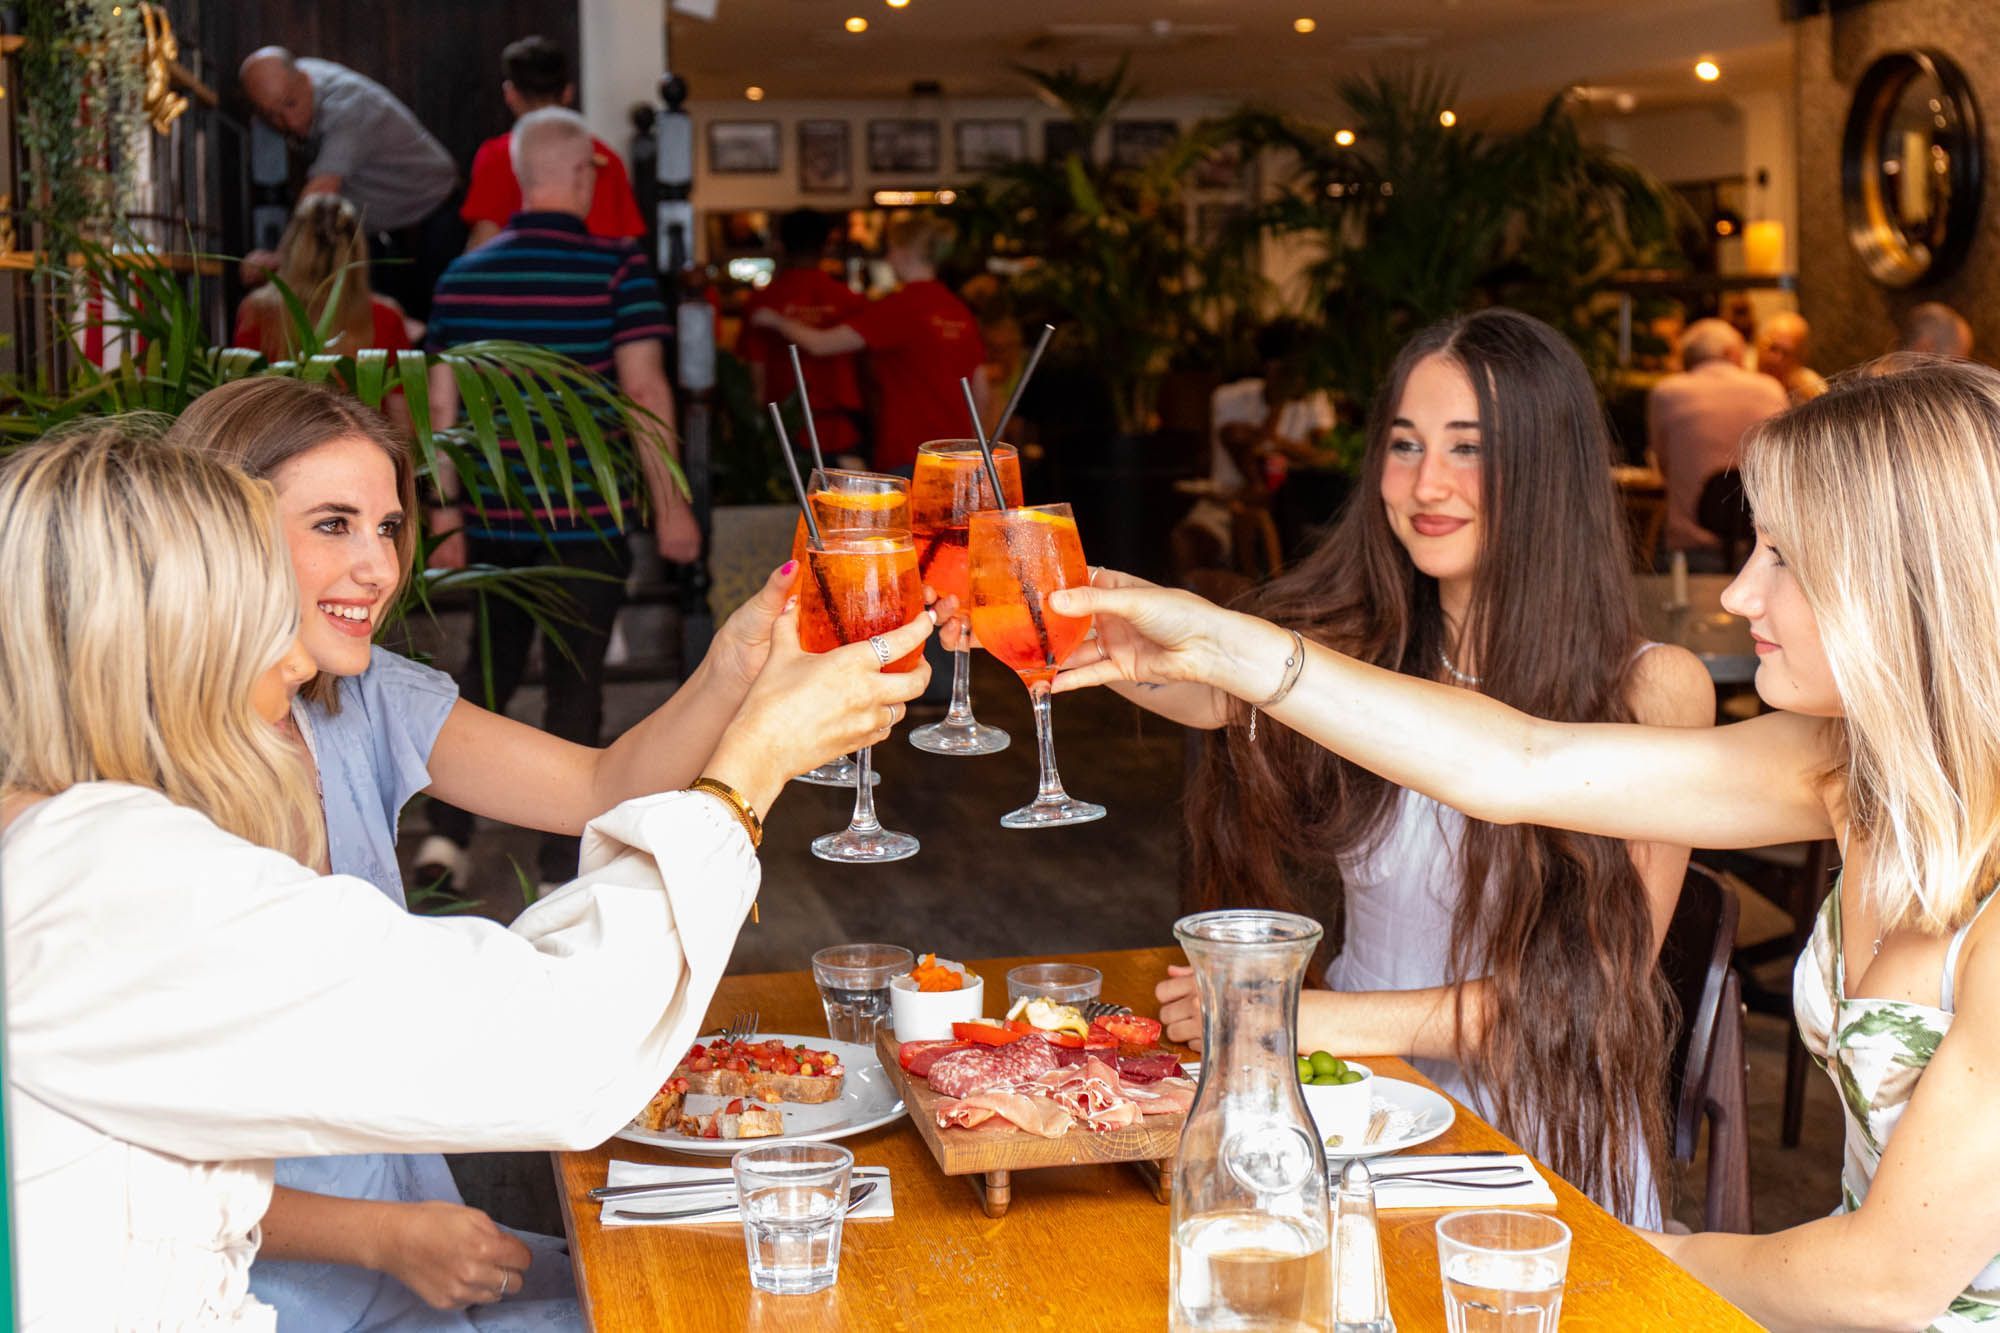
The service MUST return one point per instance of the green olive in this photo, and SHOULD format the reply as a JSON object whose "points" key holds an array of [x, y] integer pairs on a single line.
{"points": [[1351, 1076], [1324, 1063], [1305, 1070]]}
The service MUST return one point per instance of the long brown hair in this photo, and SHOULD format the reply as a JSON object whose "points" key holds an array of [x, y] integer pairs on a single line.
{"points": [[261, 423], [322, 242], [1573, 1059]]}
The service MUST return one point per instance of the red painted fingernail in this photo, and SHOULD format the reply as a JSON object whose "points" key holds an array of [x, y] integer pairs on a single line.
{"points": [[788, 566]]}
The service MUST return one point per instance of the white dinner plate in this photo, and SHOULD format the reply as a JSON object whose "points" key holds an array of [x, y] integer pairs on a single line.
{"points": [[867, 1099], [1425, 1115]]}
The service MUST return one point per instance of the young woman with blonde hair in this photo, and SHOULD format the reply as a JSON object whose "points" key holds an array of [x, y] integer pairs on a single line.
{"points": [[323, 242], [377, 729], [1874, 596], [186, 999]]}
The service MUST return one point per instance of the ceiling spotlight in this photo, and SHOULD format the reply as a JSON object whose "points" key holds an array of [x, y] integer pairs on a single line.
{"points": [[1447, 118], [754, 93], [1345, 138], [856, 24], [1304, 25], [899, 4], [1707, 70]]}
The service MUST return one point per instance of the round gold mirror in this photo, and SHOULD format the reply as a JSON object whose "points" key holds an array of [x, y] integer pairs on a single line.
{"points": [[1911, 168]]}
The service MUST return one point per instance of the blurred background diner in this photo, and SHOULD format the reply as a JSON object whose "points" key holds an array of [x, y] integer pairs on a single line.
{"points": [[1235, 214]]}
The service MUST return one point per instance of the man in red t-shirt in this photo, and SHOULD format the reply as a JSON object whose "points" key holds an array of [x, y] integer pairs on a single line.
{"points": [[921, 341], [803, 291], [534, 74]]}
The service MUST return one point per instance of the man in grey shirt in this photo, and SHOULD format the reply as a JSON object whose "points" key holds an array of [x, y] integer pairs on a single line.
{"points": [[367, 146]]}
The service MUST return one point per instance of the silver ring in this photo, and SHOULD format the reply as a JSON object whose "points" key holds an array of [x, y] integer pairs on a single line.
{"points": [[881, 647]]}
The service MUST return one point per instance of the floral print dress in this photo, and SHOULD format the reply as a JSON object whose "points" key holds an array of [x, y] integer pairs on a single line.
{"points": [[1875, 1050]]}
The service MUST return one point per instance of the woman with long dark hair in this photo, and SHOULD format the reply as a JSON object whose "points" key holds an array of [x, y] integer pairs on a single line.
{"points": [[1485, 549]]}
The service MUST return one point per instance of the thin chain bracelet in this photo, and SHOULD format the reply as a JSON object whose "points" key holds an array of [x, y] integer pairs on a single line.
{"points": [[1295, 666]]}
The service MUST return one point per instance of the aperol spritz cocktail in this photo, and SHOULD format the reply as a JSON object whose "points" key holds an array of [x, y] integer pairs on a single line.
{"points": [[846, 499], [949, 486], [863, 582], [1020, 556]]}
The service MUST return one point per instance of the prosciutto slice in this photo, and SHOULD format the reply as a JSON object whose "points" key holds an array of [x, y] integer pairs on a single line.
{"points": [[1092, 1094], [1168, 1096], [1036, 1113]]}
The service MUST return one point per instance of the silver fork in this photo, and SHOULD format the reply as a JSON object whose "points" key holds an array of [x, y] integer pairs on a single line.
{"points": [[1096, 1009], [742, 1027]]}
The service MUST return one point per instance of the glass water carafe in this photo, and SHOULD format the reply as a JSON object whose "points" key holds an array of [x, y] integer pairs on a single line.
{"points": [[1250, 1226]]}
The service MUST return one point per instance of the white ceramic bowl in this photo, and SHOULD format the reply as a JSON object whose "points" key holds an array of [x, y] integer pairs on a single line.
{"points": [[1342, 1108], [928, 1015]]}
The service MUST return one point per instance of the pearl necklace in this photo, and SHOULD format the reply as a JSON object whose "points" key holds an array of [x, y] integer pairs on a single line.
{"points": [[1456, 674]]}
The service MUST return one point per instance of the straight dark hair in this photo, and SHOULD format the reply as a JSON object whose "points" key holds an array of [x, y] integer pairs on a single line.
{"points": [[1573, 1060]]}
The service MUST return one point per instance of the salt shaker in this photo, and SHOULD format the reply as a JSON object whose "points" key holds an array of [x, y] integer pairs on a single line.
{"points": [[1360, 1290]]}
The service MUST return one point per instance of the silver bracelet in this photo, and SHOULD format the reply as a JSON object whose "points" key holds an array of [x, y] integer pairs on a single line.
{"points": [[1295, 666]]}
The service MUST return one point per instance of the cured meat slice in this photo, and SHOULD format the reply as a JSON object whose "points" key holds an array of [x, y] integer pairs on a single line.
{"points": [[963, 1073], [1169, 1096], [1150, 1067], [919, 1056], [1092, 1094], [1036, 1114]]}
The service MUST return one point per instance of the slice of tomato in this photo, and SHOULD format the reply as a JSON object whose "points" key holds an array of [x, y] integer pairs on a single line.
{"points": [[713, 1129], [1132, 1029], [735, 1107], [737, 1064], [1069, 1041], [986, 1034], [701, 1064]]}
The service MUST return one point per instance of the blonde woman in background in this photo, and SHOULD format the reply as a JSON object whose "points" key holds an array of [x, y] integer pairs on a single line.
{"points": [[186, 999], [322, 242], [1874, 596]]}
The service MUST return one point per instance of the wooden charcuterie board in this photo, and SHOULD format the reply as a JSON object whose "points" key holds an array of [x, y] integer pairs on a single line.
{"points": [[990, 1154]]}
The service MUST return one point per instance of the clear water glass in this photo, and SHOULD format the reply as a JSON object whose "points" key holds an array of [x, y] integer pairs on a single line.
{"points": [[853, 981], [793, 1199], [1062, 983], [1503, 1270]]}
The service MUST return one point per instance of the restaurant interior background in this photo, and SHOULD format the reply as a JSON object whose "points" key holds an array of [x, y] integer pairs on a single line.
{"points": [[1736, 107]]}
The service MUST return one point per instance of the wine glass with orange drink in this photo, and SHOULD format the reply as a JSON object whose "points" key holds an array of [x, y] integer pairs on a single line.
{"points": [[1018, 557], [950, 484], [860, 583], [844, 499]]}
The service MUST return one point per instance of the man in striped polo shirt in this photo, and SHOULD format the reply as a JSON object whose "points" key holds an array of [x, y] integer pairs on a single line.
{"points": [[545, 280]]}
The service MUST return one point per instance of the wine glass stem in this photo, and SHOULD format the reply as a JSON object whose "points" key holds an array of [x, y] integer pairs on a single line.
{"points": [[1045, 744], [960, 712], [864, 820]]}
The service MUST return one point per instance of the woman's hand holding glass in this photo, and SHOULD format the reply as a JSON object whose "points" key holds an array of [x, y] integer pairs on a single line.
{"points": [[1151, 635], [744, 641], [805, 708]]}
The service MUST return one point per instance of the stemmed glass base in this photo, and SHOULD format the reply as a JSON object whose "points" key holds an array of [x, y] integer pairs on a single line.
{"points": [[836, 773], [864, 840], [960, 733], [1049, 811]]}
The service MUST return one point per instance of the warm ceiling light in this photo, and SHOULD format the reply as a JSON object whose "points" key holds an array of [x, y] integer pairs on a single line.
{"points": [[754, 93], [856, 24], [1303, 25], [1447, 118], [1707, 71], [899, 4], [1345, 138]]}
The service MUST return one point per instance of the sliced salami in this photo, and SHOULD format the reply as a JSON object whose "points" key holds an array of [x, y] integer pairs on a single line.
{"points": [[1150, 1067], [919, 1056], [963, 1073]]}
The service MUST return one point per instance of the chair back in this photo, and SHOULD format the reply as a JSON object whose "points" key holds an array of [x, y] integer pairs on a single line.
{"points": [[1695, 959], [1723, 511]]}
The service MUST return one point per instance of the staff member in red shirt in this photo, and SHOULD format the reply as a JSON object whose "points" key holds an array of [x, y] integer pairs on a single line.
{"points": [[534, 74], [921, 339], [804, 292]]}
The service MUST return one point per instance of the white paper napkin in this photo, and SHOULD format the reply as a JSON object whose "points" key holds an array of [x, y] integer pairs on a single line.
{"points": [[878, 1204], [1392, 1193]]}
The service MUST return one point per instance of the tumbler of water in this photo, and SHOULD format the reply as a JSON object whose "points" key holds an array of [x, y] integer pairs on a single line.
{"points": [[793, 1200], [853, 982], [1503, 1271]]}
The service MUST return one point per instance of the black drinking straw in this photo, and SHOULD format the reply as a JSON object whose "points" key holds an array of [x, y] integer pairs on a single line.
{"points": [[1029, 593], [805, 405], [813, 538], [1021, 385]]}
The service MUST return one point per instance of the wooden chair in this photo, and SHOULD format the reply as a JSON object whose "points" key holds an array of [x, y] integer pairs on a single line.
{"points": [[1706, 1080]]}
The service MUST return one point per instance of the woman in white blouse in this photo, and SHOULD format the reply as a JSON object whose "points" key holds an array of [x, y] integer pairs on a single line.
{"points": [[183, 1002]]}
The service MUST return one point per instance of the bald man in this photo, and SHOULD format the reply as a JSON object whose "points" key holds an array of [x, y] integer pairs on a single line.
{"points": [[1781, 354], [545, 279], [1935, 329], [367, 146], [1694, 428]]}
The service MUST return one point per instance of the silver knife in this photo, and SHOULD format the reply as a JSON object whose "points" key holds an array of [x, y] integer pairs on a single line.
{"points": [[603, 1192], [855, 1199]]}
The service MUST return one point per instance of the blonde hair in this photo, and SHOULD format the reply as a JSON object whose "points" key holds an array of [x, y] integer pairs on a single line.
{"points": [[322, 242], [262, 423], [926, 236], [1884, 496], [146, 594]]}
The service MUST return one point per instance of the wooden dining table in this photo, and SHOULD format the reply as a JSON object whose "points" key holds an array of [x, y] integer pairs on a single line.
{"points": [[1081, 1247], [1720, 639]]}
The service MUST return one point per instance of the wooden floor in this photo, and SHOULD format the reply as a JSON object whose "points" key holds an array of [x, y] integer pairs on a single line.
{"points": [[978, 890]]}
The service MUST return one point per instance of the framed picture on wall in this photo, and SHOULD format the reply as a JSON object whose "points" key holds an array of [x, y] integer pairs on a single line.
{"points": [[825, 157], [901, 147], [1226, 170], [1060, 138], [1134, 143], [743, 147], [985, 144]]}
